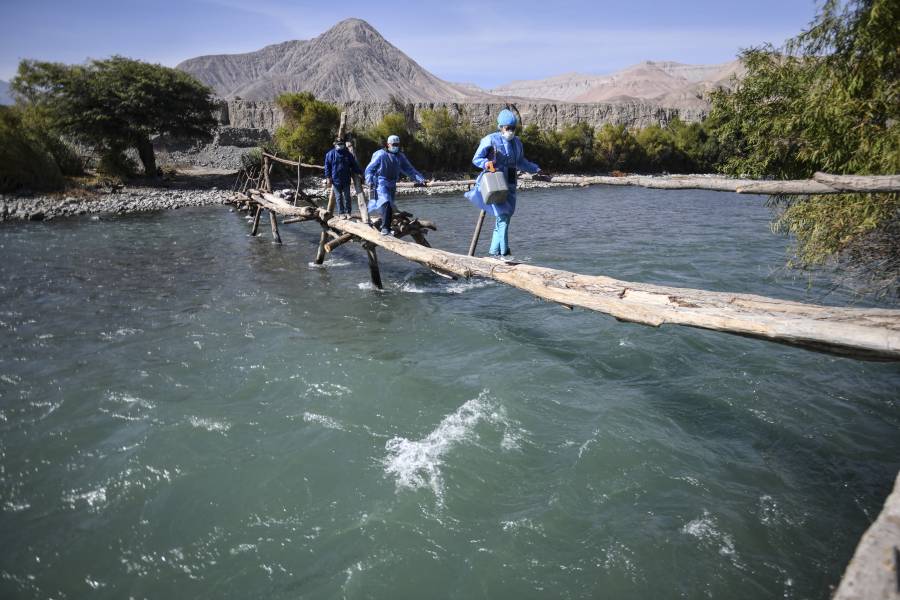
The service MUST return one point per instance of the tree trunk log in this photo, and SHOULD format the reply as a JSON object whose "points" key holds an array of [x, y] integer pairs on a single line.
{"points": [[338, 241], [274, 223], [255, 229], [860, 183], [323, 239], [871, 334], [147, 155], [374, 271]]}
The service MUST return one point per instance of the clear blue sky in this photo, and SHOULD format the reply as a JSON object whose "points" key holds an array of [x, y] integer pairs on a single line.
{"points": [[457, 40]]}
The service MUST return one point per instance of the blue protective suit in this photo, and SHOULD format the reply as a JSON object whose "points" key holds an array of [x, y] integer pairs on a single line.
{"points": [[340, 165], [382, 175], [508, 157]]}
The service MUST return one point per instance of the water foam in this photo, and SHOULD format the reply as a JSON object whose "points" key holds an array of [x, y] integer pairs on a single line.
{"points": [[453, 287], [126, 407], [417, 463], [109, 336], [706, 530], [210, 424], [331, 262], [322, 420]]}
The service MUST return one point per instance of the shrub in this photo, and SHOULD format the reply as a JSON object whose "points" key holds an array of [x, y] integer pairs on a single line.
{"points": [[24, 160], [309, 129], [618, 148]]}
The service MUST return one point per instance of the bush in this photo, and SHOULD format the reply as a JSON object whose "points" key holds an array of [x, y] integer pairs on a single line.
{"points": [[618, 148], [114, 163], [25, 162], [576, 146], [660, 152], [443, 143], [309, 129], [541, 147]]}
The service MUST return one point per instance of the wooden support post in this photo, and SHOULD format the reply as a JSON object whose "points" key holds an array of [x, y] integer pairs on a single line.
{"points": [[330, 207], [265, 173], [320, 253], [477, 234], [338, 241], [374, 272], [361, 200], [274, 222], [255, 229]]}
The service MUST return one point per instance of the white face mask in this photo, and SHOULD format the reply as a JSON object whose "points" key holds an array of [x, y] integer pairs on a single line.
{"points": [[340, 146], [393, 149], [508, 135]]}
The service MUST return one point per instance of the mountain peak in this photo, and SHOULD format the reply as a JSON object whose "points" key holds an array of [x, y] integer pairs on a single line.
{"points": [[350, 61], [351, 29], [352, 23]]}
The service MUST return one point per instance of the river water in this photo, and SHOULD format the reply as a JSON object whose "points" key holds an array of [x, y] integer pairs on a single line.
{"points": [[188, 412]]}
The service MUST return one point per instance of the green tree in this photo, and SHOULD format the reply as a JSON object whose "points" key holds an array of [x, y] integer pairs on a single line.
{"points": [[618, 148], [375, 138], [445, 143], [700, 150], [576, 147], [394, 123], [660, 150], [828, 100], [542, 147], [309, 128], [117, 103], [25, 160]]}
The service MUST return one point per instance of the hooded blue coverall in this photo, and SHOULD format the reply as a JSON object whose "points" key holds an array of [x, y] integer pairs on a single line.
{"points": [[381, 176], [508, 156], [339, 167]]}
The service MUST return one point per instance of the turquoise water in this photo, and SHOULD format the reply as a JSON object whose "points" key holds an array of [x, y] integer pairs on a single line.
{"points": [[189, 412]]}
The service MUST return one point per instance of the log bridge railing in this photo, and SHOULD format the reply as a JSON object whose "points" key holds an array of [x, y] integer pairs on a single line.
{"points": [[862, 333]]}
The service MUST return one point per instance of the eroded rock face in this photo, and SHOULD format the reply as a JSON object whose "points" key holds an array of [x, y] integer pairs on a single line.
{"points": [[242, 137], [258, 114]]}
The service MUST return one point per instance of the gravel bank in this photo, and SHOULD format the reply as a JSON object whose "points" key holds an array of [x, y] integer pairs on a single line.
{"points": [[149, 198], [128, 200]]}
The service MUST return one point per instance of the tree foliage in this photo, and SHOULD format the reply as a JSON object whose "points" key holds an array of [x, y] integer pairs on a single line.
{"points": [[117, 103], [25, 161], [618, 148], [829, 101], [445, 143], [310, 126]]}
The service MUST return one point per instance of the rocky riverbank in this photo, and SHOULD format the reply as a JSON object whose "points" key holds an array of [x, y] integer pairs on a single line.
{"points": [[187, 190], [128, 200]]}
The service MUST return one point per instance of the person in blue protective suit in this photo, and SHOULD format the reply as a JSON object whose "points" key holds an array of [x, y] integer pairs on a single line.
{"points": [[339, 168], [381, 176], [501, 151]]}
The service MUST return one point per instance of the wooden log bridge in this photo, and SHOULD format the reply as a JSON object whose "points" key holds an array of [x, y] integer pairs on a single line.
{"points": [[862, 333], [821, 183]]}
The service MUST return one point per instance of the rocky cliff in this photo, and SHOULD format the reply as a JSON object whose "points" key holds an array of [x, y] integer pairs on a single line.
{"points": [[266, 116]]}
